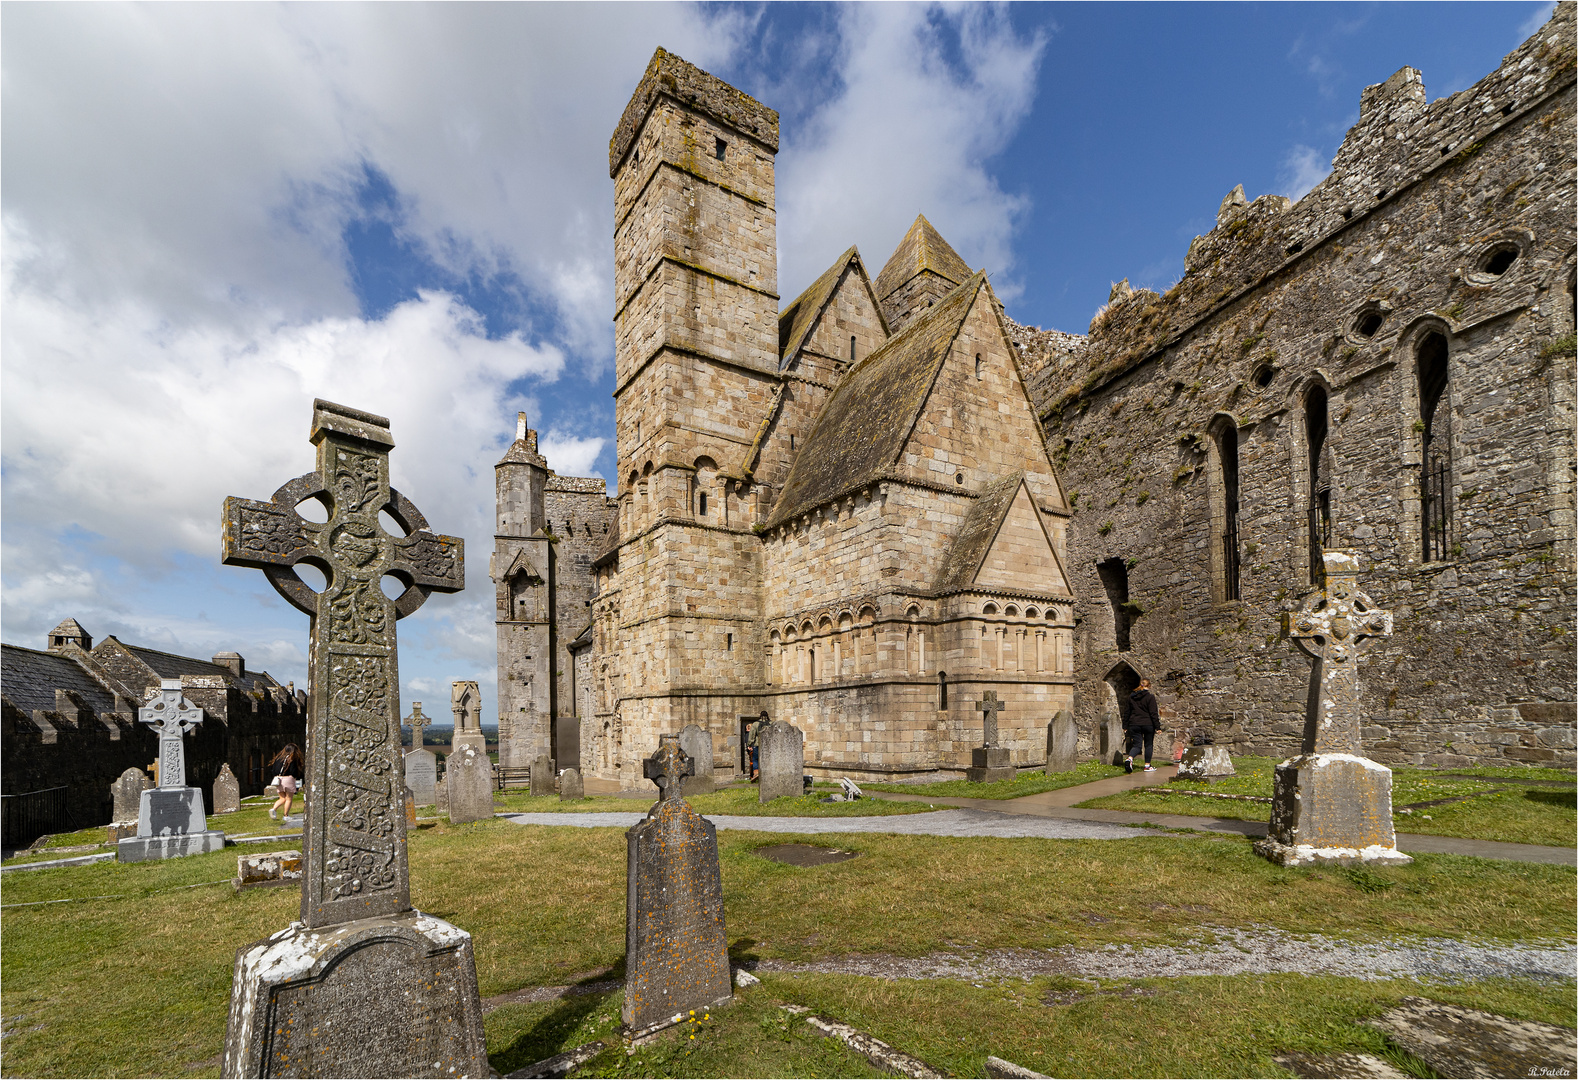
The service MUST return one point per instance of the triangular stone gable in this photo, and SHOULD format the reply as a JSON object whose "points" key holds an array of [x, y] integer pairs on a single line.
{"points": [[1022, 556], [974, 429]]}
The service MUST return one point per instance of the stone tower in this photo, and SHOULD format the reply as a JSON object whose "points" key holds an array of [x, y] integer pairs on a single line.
{"points": [[522, 570], [696, 331]]}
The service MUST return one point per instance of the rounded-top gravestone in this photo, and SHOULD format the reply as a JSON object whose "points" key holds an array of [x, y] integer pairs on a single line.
{"points": [[1062, 742], [781, 755], [696, 741]]}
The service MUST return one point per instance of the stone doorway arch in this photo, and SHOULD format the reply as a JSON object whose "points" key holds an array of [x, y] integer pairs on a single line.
{"points": [[1121, 679]]}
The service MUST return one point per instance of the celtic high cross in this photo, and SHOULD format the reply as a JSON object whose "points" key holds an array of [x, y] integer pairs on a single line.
{"points": [[418, 724], [354, 853], [171, 716], [989, 707], [668, 768], [1334, 627]]}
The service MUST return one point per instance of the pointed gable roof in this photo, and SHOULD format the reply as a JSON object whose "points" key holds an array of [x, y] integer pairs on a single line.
{"points": [[796, 321], [862, 428], [922, 248], [1001, 533]]}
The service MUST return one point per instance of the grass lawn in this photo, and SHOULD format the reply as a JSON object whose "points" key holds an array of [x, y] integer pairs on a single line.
{"points": [[1026, 783], [136, 981], [1517, 814], [731, 800], [251, 820]]}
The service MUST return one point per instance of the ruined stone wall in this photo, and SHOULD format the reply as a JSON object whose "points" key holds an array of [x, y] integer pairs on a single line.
{"points": [[1450, 222], [583, 518], [75, 747]]}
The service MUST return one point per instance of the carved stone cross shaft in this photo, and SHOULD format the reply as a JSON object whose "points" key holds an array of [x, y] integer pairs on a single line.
{"points": [[1334, 627], [418, 724], [354, 854], [989, 707], [171, 716], [668, 767]]}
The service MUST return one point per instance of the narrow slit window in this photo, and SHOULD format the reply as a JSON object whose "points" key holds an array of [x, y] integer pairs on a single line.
{"points": [[1318, 512], [1115, 580], [722, 148], [1435, 450], [701, 504], [980, 366], [851, 348]]}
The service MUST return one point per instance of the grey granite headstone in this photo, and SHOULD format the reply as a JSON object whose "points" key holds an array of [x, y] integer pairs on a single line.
{"points": [[542, 775], [989, 762], [1331, 804], [781, 756], [127, 793], [1205, 763], [676, 950], [1062, 742], [696, 741], [1110, 738], [170, 818], [227, 791], [362, 985], [421, 775], [468, 783], [571, 788]]}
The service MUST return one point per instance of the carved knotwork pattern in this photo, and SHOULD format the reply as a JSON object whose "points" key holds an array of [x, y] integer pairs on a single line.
{"points": [[359, 788], [269, 535], [356, 479]]}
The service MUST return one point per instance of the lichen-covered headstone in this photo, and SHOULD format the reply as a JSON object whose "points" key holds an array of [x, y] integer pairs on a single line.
{"points": [[696, 741], [1205, 763], [127, 793], [1331, 804], [468, 784], [1062, 742], [542, 775], [171, 821], [571, 787], [780, 755], [410, 809], [362, 985], [227, 791], [676, 950], [441, 798]]}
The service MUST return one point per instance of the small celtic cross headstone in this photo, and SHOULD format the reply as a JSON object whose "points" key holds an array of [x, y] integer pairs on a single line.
{"points": [[418, 724], [989, 707], [354, 858], [171, 716], [1334, 627], [668, 768]]}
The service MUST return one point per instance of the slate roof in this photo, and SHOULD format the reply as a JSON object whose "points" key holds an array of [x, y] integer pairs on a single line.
{"points": [[169, 666], [981, 523], [28, 679], [862, 429], [922, 248], [796, 320]]}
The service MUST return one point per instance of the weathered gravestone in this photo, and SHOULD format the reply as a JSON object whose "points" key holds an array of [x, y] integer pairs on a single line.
{"points": [[1331, 804], [1062, 742], [696, 741], [571, 787], [418, 723], [362, 985], [441, 797], [170, 817], [1111, 739], [676, 951], [1205, 763], [421, 765], [127, 793], [467, 769], [410, 809], [542, 775], [227, 791], [780, 754], [989, 762]]}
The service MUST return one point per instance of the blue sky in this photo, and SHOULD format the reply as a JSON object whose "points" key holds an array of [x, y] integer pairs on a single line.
{"points": [[214, 213]]}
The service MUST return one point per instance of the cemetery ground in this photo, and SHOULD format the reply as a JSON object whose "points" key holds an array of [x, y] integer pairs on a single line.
{"points": [[130, 975], [1514, 805]]}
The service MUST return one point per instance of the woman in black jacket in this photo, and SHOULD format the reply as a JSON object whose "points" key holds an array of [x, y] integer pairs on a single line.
{"points": [[288, 765], [1144, 720]]}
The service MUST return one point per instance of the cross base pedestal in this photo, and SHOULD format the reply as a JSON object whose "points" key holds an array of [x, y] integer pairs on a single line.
{"points": [[147, 848], [989, 764], [388, 996], [170, 824], [1331, 808]]}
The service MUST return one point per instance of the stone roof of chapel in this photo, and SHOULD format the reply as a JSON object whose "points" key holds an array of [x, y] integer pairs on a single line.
{"points": [[980, 527], [862, 429], [796, 321], [922, 249]]}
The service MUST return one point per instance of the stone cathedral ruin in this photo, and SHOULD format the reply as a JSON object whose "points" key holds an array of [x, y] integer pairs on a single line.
{"points": [[871, 509]]}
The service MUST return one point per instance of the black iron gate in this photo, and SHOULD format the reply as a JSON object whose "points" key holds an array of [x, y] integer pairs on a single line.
{"points": [[26, 817]]}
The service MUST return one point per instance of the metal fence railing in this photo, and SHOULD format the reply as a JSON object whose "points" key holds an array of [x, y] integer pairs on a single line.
{"points": [[31, 814], [1230, 559], [1435, 506]]}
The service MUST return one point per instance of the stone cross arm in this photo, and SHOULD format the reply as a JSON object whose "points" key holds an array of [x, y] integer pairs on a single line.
{"points": [[1339, 619], [273, 537], [668, 767]]}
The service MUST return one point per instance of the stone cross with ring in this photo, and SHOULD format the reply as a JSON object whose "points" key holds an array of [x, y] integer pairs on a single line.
{"points": [[354, 853], [418, 724], [668, 767], [1334, 626], [171, 716], [989, 707]]}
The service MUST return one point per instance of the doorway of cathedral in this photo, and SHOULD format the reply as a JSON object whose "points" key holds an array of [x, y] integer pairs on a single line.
{"points": [[745, 751]]}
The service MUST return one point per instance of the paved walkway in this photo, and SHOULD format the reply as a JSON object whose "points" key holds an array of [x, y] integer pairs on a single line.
{"points": [[1050, 814]]}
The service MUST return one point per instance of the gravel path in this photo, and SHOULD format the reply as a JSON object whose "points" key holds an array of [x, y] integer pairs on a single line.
{"points": [[939, 823], [1258, 951]]}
